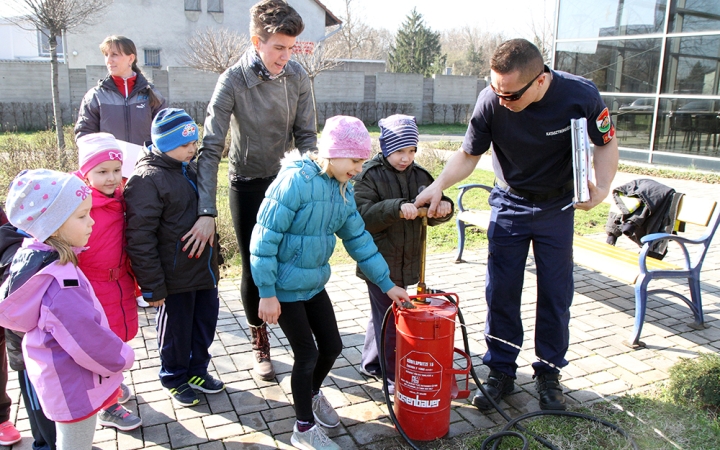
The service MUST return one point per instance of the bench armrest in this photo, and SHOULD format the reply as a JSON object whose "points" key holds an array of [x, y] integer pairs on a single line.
{"points": [[651, 238], [465, 188]]}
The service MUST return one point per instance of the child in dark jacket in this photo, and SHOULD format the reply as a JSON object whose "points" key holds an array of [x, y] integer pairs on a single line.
{"points": [[387, 185], [73, 359], [162, 198]]}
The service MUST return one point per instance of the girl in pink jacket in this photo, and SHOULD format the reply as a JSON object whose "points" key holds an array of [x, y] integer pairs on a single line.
{"points": [[72, 357], [105, 263]]}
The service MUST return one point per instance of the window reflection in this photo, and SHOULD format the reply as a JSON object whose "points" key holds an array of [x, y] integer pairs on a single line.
{"points": [[614, 66], [691, 65], [583, 19], [694, 15], [688, 126], [633, 119]]}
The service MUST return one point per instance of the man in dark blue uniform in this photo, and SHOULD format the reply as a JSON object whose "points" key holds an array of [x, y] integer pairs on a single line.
{"points": [[525, 114]]}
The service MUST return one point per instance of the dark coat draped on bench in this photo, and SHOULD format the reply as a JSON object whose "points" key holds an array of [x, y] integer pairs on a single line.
{"points": [[656, 213]]}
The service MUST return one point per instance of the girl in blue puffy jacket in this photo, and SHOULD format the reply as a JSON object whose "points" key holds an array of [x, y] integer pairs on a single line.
{"points": [[308, 204]]}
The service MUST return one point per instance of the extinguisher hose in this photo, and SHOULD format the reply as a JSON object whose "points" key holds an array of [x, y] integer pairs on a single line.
{"points": [[514, 423], [496, 438], [383, 370]]}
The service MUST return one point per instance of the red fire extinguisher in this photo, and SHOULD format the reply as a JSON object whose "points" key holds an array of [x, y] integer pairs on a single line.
{"points": [[425, 381]]}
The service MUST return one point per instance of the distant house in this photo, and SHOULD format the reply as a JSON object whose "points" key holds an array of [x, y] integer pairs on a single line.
{"points": [[159, 28]]}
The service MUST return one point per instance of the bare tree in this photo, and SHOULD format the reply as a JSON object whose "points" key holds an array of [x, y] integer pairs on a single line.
{"points": [[215, 49], [469, 50], [52, 18], [316, 60], [543, 38], [356, 39]]}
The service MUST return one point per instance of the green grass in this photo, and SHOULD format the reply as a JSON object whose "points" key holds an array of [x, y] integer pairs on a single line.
{"points": [[26, 136], [653, 422], [443, 238], [678, 174], [437, 129]]}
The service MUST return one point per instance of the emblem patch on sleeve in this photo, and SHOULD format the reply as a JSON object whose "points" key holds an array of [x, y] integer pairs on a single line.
{"points": [[603, 121]]}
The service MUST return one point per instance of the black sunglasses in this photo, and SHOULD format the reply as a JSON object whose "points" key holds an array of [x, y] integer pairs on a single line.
{"points": [[516, 95]]}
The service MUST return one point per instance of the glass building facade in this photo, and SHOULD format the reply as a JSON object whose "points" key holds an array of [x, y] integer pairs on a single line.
{"points": [[657, 66]]}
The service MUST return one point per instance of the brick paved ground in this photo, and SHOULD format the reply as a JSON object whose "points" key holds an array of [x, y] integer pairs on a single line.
{"points": [[254, 414]]}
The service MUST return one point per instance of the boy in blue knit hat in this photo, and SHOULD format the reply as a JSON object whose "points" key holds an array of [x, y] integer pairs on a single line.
{"points": [[162, 199], [387, 185]]}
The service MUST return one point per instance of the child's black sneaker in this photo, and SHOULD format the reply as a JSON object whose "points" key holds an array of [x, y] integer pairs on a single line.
{"points": [[183, 395], [206, 384]]}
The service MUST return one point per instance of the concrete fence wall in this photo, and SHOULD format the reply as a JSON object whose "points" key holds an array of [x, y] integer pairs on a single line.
{"points": [[25, 93]]}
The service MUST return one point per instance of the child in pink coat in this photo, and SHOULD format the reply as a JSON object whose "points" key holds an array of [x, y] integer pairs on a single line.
{"points": [[72, 357], [105, 262]]}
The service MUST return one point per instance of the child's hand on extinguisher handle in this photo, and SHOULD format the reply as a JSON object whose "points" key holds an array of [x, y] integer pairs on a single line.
{"points": [[269, 310], [399, 296], [409, 211]]}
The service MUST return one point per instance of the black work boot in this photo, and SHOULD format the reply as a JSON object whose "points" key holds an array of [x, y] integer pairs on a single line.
{"points": [[551, 393], [497, 386]]}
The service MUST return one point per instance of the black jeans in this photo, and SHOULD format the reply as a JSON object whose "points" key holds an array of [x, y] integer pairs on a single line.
{"points": [[245, 200], [42, 428], [300, 321], [5, 401]]}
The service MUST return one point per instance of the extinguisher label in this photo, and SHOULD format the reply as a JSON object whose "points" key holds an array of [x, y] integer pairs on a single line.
{"points": [[419, 380]]}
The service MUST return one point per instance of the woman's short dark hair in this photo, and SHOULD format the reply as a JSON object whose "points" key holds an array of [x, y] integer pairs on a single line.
{"points": [[268, 17], [517, 55]]}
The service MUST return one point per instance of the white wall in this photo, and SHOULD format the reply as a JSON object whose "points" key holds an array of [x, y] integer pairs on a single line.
{"points": [[190, 85], [400, 88], [165, 25], [340, 87], [17, 43]]}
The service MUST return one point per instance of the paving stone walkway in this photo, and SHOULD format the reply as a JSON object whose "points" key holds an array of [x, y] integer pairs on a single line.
{"points": [[255, 414]]}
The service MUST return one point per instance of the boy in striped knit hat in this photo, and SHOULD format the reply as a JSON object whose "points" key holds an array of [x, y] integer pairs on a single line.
{"points": [[162, 199], [387, 185]]}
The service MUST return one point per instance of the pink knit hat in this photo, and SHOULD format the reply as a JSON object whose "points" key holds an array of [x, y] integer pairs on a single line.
{"points": [[344, 137], [96, 148]]}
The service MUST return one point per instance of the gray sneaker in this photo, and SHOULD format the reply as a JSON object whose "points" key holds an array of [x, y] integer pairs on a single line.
{"points": [[312, 439], [125, 396], [323, 411], [118, 417]]}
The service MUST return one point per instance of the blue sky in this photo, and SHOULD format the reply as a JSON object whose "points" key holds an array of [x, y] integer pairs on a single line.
{"points": [[511, 17]]}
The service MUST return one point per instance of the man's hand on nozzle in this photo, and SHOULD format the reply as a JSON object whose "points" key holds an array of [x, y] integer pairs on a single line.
{"points": [[430, 196]]}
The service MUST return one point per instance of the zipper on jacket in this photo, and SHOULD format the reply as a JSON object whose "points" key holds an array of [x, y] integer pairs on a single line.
{"points": [[287, 110], [127, 119], [212, 274], [247, 150], [122, 306]]}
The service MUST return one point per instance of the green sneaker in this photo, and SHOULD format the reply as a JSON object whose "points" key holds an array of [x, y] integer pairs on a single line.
{"points": [[206, 384], [183, 395]]}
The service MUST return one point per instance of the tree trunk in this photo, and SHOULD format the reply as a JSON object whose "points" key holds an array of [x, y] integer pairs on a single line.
{"points": [[57, 109]]}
